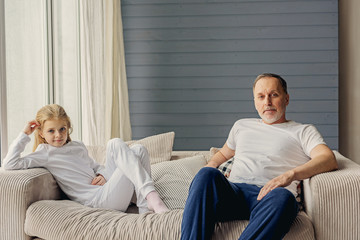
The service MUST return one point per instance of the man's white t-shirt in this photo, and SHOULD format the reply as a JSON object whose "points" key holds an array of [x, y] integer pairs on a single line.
{"points": [[263, 152]]}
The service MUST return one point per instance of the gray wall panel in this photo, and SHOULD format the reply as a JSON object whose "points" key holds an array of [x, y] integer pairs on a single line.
{"points": [[226, 106], [154, 59], [180, 46], [243, 94], [240, 7], [236, 21], [216, 82], [191, 63], [215, 119]]}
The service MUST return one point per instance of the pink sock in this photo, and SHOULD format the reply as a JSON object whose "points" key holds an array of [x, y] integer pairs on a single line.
{"points": [[155, 203]]}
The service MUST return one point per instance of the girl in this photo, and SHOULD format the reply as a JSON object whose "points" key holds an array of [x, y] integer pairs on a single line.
{"points": [[80, 177]]}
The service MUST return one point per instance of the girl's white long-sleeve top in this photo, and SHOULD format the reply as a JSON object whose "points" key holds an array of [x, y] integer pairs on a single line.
{"points": [[70, 165]]}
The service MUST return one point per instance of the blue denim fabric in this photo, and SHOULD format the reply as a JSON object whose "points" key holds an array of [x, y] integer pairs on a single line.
{"points": [[212, 198]]}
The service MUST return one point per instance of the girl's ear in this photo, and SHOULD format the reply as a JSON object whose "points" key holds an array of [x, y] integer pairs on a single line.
{"points": [[40, 133]]}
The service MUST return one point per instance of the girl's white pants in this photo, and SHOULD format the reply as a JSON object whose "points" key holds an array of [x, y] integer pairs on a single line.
{"points": [[130, 170]]}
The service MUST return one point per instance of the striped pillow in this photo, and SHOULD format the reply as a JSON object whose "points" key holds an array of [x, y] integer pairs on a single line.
{"points": [[159, 148], [172, 179]]}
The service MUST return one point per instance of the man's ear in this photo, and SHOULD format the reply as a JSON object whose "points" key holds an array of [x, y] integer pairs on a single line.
{"points": [[287, 99]]}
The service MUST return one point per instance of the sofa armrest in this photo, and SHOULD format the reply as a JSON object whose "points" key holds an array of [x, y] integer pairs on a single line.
{"points": [[19, 189], [332, 201]]}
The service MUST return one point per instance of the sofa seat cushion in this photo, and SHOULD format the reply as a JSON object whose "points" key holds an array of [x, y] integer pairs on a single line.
{"points": [[65, 219]]}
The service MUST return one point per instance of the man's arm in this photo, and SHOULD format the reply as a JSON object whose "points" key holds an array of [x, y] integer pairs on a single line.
{"points": [[224, 154], [322, 160]]}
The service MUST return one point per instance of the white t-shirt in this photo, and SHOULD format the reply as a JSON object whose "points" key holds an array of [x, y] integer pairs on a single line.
{"points": [[70, 165], [263, 152]]}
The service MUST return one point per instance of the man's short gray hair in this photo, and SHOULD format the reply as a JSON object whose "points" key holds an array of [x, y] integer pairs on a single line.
{"points": [[273, 75]]}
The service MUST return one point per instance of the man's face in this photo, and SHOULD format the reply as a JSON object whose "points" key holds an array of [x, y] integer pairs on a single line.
{"points": [[270, 100]]}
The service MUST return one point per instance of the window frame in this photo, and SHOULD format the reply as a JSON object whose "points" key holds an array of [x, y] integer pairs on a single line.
{"points": [[51, 95], [3, 102]]}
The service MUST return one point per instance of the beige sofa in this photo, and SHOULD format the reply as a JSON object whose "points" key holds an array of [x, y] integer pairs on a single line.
{"points": [[33, 206]]}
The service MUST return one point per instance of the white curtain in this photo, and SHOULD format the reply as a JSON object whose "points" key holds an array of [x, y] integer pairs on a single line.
{"points": [[105, 104]]}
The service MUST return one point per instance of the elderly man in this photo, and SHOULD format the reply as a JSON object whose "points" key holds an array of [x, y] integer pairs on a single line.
{"points": [[271, 155]]}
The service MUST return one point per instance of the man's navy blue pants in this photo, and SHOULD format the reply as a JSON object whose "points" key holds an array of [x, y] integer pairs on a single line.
{"points": [[212, 198]]}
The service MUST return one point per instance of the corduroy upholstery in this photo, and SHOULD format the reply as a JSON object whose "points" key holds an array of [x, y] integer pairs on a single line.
{"points": [[66, 219], [332, 203], [18, 190]]}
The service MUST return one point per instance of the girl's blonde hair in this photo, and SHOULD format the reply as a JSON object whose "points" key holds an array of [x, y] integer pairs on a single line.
{"points": [[50, 112]]}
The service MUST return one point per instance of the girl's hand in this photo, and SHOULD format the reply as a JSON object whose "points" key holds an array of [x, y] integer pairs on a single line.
{"points": [[30, 127], [98, 180]]}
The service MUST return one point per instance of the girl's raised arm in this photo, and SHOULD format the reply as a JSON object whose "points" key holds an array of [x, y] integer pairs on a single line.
{"points": [[13, 159], [30, 127]]}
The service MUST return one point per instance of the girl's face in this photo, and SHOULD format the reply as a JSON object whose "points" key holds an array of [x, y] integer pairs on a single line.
{"points": [[55, 132]]}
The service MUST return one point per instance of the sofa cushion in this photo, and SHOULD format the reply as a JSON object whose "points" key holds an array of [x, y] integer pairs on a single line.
{"points": [[159, 148], [58, 220], [172, 179]]}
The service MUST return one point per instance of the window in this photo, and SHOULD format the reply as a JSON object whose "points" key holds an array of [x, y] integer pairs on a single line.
{"points": [[42, 62], [66, 60]]}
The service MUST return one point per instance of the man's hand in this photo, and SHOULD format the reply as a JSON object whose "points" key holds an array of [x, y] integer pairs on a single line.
{"points": [[98, 180], [322, 160], [281, 181]]}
